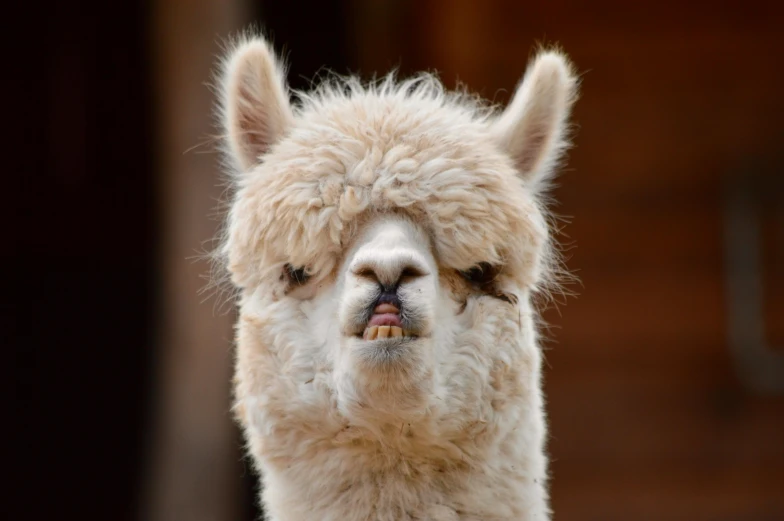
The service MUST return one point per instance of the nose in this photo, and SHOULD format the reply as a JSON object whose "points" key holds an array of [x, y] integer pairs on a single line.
{"points": [[392, 253], [389, 271]]}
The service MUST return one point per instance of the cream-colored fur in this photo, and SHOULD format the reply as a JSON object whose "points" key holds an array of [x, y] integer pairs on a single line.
{"points": [[405, 185]]}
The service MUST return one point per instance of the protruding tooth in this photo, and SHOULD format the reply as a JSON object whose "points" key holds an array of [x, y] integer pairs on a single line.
{"points": [[406, 332], [372, 332], [383, 331], [395, 331]]}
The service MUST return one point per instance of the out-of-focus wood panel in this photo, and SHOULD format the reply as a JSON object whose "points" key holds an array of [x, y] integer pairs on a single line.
{"points": [[194, 456], [672, 311], [632, 414], [686, 495]]}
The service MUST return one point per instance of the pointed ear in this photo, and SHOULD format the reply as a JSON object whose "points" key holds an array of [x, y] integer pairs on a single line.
{"points": [[533, 128], [255, 105]]}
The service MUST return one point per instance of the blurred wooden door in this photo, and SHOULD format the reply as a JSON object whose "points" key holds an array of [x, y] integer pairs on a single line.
{"points": [[648, 417]]}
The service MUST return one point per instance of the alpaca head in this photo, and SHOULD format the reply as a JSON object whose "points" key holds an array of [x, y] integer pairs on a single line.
{"points": [[387, 241]]}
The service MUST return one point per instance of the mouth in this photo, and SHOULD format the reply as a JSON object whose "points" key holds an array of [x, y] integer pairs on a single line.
{"points": [[385, 323]]}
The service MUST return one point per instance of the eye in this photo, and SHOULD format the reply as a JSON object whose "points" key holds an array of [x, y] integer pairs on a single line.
{"points": [[297, 276], [481, 274]]}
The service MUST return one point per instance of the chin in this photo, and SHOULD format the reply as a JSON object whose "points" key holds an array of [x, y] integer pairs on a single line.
{"points": [[392, 376], [393, 357]]}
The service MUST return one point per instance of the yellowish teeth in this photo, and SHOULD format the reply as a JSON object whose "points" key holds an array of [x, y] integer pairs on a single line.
{"points": [[371, 333], [381, 332]]}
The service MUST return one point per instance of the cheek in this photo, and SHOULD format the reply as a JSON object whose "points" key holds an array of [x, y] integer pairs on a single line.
{"points": [[449, 317], [420, 293], [454, 288], [354, 299]]}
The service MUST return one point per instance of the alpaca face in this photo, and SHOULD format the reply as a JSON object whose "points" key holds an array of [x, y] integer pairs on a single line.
{"points": [[389, 291], [392, 312], [386, 242]]}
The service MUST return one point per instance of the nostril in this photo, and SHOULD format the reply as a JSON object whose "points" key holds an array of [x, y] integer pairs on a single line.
{"points": [[411, 272], [389, 274], [365, 272]]}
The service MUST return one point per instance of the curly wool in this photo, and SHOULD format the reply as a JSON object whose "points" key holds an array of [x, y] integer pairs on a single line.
{"points": [[454, 430], [406, 147]]}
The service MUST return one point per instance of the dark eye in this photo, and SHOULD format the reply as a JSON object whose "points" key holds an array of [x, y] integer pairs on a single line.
{"points": [[298, 276], [481, 274]]}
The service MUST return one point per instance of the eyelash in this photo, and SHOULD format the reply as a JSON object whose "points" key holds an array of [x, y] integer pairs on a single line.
{"points": [[480, 274], [296, 276]]}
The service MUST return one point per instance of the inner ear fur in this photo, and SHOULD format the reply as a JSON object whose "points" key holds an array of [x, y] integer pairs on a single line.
{"points": [[256, 109], [533, 128]]}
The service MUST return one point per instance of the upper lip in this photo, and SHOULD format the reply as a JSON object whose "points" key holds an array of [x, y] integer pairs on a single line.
{"points": [[385, 320], [386, 311], [385, 314]]}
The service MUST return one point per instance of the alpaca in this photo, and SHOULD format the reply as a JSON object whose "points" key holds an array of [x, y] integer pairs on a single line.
{"points": [[387, 242]]}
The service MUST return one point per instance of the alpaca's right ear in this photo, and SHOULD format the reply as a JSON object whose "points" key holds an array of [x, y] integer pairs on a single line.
{"points": [[255, 107]]}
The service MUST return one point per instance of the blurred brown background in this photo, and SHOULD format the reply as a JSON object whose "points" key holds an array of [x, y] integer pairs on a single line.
{"points": [[665, 376]]}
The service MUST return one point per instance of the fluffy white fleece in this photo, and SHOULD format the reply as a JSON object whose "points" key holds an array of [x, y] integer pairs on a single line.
{"points": [[455, 431]]}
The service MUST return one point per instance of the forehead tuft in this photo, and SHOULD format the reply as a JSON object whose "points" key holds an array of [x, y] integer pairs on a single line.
{"points": [[353, 151]]}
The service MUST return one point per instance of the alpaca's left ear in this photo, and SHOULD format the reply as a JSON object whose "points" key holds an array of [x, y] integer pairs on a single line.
{"points": [[533, 128], [255, 102]]}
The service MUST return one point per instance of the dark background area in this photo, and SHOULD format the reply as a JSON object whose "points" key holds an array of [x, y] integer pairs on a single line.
{"points": [[657, 411], [87, 265]]}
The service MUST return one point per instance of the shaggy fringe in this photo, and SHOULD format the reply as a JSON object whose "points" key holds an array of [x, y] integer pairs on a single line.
{"points": [[329, 87]]}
